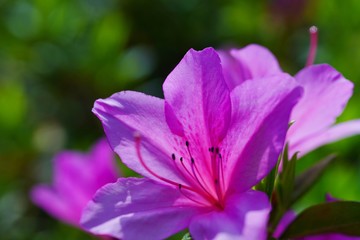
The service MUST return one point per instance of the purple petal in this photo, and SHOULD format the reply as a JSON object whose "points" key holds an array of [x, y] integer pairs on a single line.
{"points": [[333, 134], [104, 167], [330, 198], [244, 217], [260, 117], [198, 106], [48, 199], [125, 114], [133, 208], [197, 98], [252, 61], [234, 71], [77, 176], [326, 93], [288, 217]]}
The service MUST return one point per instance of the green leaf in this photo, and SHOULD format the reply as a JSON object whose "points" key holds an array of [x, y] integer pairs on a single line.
{"points": [[306, 180], [287, 179], [281, 198], [267, 184], [187, 236], [340, 217]]}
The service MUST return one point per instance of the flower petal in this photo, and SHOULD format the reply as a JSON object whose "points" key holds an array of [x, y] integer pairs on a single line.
{"points": [[48, 199], [326, 93], [333, 134], [133, 208], [234, 71], [198, 107], [72, 179], [77, 176], [125, 114], [252, 61], [103, 167], [286, 219], [244, 217], [260, 117], [197, 98]]}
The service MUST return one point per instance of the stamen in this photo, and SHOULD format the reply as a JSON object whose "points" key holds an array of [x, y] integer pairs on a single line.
{"points": [[217, 169], [194, 175], [313, 45], [188, 197], [193, 167], [208, 191], [138, 152], [222, 171], [187, 170]]}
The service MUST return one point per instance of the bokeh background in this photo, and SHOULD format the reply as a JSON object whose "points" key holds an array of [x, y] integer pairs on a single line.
{"points": [[58, 56]]}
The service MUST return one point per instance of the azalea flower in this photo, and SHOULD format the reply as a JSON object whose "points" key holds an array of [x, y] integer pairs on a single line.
{"points": [[200, 150], [77, 176], [326, 93]]}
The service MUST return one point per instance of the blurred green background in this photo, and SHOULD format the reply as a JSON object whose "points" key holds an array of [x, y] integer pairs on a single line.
{"points": [[58, 56]]}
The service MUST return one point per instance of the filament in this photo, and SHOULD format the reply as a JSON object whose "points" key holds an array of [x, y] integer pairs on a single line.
{"points": [[313, 45]]}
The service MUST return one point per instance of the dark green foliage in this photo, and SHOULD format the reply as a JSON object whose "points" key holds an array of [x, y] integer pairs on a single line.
{"points": [[340, 217]]}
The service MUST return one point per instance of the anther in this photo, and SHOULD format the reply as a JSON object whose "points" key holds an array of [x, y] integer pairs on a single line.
{"points": [[217, 150], [192, 160], [211, 149], [187, 143], [181, 159], [138, 153], [173, 156]]}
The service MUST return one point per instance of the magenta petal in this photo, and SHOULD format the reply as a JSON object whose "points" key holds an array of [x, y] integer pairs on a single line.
{"points": [[48, 199], [234, 71], [258, 59], [103, 168], [326, 93], [333, 134], [197, 98], [77, 176], [133, 208], [288, 217], [252, 61], [259, 125], [128, 113], [244, 217]]}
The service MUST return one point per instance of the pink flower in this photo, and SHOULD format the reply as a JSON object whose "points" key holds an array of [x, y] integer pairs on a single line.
{"points": [[326, 93], [200, 150], [77, 176]]}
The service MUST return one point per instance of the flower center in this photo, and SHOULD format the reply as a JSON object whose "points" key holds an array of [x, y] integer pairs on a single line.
{"points": [[202, 187]]}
